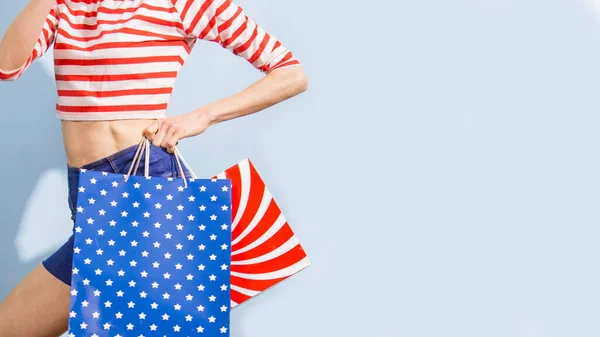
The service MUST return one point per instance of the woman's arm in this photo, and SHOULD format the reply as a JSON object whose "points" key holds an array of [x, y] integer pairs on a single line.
{"points": [[224, 22], [274, 88], [27, 38]]}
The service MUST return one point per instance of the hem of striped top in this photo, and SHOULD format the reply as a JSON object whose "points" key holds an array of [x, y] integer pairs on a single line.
{"points": [[107, 116]]}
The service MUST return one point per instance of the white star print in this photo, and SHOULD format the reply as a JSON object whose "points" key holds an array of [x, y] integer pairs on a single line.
{"points": [[125, 195], [223, 309], [169, 197], [212, 319], [103, 192], [83, 325], [158, 206], [202, 188], [200, 329], [144, 274], [202, 208], [93, 181], [165, 317], [213, 198], [119, 315], [136, 204], [213, 217], [102, 212], [224, 207], [113, 203], [202, 227], [224, 287], [212, 298], [81, 189], [223, 330], [159, 187], [136, 185], [213, 237]]}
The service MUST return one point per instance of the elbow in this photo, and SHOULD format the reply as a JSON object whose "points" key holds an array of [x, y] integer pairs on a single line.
{"points": [[301, 82]]}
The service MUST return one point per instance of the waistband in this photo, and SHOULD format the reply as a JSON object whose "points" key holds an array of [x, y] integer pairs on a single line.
{"points": [[129, 151]]}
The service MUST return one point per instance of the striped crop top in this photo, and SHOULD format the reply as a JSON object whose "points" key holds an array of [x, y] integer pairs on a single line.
{"points": [[118, 59]]}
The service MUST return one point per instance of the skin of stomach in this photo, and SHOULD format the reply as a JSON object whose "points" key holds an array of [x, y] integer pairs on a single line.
{"points": [[88, 141]]}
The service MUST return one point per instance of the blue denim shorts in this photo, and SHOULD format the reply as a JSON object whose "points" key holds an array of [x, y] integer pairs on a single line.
{"points": [[162, 164]]}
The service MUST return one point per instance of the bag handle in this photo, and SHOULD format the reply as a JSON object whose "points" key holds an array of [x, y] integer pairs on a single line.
{"points": [[144, 146]]}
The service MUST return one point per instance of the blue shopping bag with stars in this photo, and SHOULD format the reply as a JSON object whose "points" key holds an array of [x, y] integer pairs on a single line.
{"points": [[151, 256]]}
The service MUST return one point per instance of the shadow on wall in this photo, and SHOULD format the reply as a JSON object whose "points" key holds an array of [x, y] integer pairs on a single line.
{"points": [[32, 146]]}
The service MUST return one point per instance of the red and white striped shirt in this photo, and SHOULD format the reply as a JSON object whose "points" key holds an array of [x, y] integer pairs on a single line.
{"points": [[118, 59]]}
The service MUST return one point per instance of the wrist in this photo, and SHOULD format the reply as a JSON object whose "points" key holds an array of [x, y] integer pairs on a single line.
{"points": [[205, 117]]}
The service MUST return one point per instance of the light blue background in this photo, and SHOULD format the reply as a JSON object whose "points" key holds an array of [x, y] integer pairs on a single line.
{"points": [[441, 171]]}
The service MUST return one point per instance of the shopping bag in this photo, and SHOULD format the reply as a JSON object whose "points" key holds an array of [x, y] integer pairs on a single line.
{"points": [[265, 249], [151, 255]]}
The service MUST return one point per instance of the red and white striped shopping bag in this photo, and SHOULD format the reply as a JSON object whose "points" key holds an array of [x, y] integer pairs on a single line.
{"points": [[264, 249]]}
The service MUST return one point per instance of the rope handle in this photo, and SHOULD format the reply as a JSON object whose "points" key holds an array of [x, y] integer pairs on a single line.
{"points": [[144, 147]]}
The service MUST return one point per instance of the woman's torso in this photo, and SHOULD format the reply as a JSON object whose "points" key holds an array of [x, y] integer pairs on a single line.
{"points": [[115, 62]]}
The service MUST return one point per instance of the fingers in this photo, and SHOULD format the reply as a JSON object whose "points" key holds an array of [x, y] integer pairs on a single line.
{"points": [[151, 130], [164, 133]]}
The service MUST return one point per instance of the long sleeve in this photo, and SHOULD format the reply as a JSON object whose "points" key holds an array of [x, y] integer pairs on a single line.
{"points": [[226, 23], [44, 42]]}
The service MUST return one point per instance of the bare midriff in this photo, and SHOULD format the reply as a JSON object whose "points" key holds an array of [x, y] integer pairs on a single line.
{"points": [[88, 141]]}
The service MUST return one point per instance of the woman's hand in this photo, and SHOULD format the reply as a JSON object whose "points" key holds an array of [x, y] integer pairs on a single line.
{"points": [[167, 132]]}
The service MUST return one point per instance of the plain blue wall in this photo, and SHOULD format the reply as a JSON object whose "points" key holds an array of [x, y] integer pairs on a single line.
{"points": [[441, 171]]}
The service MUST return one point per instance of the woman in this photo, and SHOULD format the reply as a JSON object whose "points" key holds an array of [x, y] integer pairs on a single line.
{"points": [[116, 62]]}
